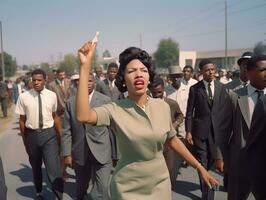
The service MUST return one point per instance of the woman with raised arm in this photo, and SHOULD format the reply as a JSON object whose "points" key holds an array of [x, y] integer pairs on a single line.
{"points": [[142, 126]]}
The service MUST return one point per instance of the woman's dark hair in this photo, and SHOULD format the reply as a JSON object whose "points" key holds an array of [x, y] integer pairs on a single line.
{"points": [[125, 57]]}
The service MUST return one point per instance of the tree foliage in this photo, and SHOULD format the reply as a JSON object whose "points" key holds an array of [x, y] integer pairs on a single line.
{"points": [[260, 48], [69, 64], [167, 53], [10, 65], [45, 66]]}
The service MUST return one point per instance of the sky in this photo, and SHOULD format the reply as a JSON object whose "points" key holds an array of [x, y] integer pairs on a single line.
{"points": [[43, 31]]}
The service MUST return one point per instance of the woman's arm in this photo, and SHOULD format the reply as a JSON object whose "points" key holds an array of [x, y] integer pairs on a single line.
{"points": [[181, 149], [84, 112]]}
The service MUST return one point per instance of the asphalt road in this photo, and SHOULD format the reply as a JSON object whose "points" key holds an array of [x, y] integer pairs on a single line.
{"points": [[19, 176]]}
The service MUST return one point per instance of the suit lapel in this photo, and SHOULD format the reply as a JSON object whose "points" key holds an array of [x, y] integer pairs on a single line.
{"points": [[217, 91], [244, 108]]}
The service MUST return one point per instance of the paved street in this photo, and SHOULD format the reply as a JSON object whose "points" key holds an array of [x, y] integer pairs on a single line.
{"points": [[19, 177]]}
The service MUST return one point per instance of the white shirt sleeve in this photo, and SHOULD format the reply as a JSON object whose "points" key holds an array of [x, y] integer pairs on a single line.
{"points": [[20, 109]]}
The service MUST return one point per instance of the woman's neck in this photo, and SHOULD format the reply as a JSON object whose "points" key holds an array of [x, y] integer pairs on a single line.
{"points": [[139, 100]]}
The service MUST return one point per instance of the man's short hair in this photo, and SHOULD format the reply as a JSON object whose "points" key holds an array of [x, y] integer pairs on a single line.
{"points": [[188, 67], [60, 71], [204, 62], [112, 65], [39, 71], [156, 82]]}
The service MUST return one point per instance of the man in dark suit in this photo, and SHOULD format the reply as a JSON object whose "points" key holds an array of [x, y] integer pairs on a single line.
{"points": [[204, 119], [256, 150], [3, 188], [243, 79], [243, 103], [172, 160], [108, 88], [87, 148]]}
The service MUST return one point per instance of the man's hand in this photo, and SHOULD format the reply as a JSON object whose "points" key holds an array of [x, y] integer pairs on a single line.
{"points": [[68, 161], [219, 165], [189, 138]]}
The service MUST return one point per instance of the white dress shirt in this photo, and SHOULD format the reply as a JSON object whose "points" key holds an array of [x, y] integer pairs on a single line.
{"points": [[252, 98], [28, 104], [212, 87]]}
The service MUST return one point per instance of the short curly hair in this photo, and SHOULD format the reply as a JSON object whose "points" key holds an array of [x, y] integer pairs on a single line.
{"points": [[125, 57]]}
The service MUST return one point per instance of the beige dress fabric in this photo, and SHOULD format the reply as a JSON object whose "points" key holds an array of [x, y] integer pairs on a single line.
{"points": [[141, 173]]}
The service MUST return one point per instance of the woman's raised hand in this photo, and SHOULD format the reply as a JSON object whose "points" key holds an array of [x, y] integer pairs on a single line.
{"points": [[86, 53]]}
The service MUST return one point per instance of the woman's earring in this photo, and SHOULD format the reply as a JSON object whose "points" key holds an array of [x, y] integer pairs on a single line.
{"points": [[124, 85]]}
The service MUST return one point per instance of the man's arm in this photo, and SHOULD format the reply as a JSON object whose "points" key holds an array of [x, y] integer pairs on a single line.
{"points": [[58, 127], [189, 115], [179, 117], [22, 127], [66, 139]]}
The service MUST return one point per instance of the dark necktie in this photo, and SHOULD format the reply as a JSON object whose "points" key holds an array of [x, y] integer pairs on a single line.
{"points": [[210, 91], [40, 111], [260, 93]]}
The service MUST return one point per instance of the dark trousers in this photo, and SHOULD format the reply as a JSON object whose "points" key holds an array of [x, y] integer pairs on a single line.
{"points": [[43, 147], [93, 176], [3, 188], [204, 151], [4, 105]]}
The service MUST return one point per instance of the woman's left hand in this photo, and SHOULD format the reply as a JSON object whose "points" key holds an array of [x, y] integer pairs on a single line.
{"points": [[208, 178]]}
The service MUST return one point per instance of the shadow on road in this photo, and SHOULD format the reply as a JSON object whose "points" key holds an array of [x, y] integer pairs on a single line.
{"points": [[185, 188], [25, 176]]}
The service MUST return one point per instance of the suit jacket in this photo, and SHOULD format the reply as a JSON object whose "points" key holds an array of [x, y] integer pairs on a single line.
{"points": [[203, 117], [103, 87], [238, 183], [233, 84], [256, 149], [176, 114], [78, 137], [62, 94]]}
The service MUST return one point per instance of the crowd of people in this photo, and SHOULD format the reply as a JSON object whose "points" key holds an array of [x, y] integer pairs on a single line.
{"points": [[123, 132]]}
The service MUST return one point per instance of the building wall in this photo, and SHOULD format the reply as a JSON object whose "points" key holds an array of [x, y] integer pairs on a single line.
{"points": [[187, 58]]}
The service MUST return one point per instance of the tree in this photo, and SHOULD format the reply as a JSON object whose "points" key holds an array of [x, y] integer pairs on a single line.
{"points": [[10, 65], [260, 48], [167, 53], [106, 53], [45, 67], [69, 64]]}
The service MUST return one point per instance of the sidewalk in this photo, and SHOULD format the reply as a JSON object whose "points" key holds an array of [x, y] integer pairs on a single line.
{"points": [[5, 122]]}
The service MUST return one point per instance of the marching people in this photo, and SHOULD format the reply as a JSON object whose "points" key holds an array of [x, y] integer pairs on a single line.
{"points": [[87, 148], [204, 119]]}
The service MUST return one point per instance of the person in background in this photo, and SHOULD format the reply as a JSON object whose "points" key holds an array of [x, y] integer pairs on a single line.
{"points": [[40, 129], [175, 75], [87, 149], [181, 94], [3, 96], [173, 162], [223, 76], [242, 81], [61, 88], [74, 84], [204, 121], [99, 76]]}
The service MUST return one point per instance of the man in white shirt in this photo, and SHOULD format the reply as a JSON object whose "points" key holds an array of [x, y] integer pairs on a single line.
{"points": [[243, 103], [40, 130], [181, 94]]}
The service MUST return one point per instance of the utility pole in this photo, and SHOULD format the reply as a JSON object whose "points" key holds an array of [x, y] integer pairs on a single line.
{"points": [[2, 53], [225, 50]]}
